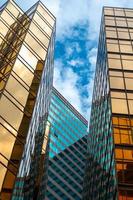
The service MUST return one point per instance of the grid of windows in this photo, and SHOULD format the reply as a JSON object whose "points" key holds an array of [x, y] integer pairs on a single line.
{"points": [[116, 84], [67, 150]]}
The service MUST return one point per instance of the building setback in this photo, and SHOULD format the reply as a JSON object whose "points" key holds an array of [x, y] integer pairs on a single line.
{"points": [[26, 78], [109, 170]]}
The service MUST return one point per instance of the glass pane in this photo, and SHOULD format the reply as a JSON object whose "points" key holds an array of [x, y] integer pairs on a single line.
{"points": [[9, 20], [13, 10], [120, 95], [119, 12], [28, 57], [111, 34], [23, 72], [6, 140], [41, 36], [129, 83], [20, 93], [114, 63], [129, 14], [46, 15], [108, 11], [119, 106], [37, 48], [42, 24], [127, 64], [3, 28], [121, 23], [116, 82], [113, 47], [123, 35], [13, 115], [126, 48]]}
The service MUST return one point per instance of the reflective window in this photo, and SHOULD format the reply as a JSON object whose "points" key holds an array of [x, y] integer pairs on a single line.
{"points": [[42, 24], [126, 48], [23, 72], [114, 63], [129, 83], [116, 82], [13, 116], [46, 14], [122, 108], [35, 46], [113, 47]]}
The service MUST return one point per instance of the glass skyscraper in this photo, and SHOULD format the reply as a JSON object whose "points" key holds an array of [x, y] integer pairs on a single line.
{"points": [[109, 170], [67, 150], [26, 78]]}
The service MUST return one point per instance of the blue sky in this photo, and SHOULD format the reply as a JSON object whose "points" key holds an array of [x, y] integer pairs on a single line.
{"points": [[78, 23]]}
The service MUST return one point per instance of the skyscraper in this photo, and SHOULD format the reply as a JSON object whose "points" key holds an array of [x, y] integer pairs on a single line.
{"points": [[109, 170], [26, 78], [67, 150]]}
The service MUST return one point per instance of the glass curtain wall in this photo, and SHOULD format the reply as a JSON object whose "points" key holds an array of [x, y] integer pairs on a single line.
{"points": [[110, 139], [24, 48]]}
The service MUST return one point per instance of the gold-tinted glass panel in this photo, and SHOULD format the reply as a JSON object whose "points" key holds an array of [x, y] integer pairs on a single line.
{"points": [[45, 14], [108, 11], [42, 24], [114, 63], [129, 83], [116, 82], [123, 35], [28, 56], [13, 10], [13, 116], [122, 108], [3, 28], [37, 48], [127, 64], [120, 95], [126, 48], [20, 93], [113, 47], [38, 33], [23, 72], [9, 20], [6, 140]]}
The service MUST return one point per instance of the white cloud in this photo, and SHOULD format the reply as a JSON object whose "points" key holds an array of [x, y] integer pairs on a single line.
{"points": [[76, 62], [65, 80], [92, 58], [69, 51], [73, 48]]}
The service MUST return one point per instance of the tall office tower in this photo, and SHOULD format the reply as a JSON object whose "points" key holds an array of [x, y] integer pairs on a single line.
{"points": [[58, 173], [67, 151], [26, 77], [109, 173]]}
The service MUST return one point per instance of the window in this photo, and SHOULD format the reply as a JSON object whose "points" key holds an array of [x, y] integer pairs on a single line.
{"points": [[126, 48], [129, 83], [112, 47], [116, 83], [119, 106]]}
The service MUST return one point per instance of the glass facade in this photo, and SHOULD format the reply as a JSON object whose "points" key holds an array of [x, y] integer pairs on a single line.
{"points": [[67, 151], [26, 78], [110, 141]]}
